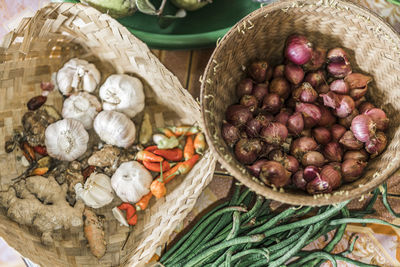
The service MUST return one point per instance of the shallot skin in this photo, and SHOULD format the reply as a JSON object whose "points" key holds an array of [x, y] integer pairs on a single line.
{"points": [[363, 127], [298, 49], [299, 181], [273, 173], [244, 87]]}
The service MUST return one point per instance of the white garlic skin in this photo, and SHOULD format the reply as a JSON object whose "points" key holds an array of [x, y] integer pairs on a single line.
{"points": [[97, 191], [131, 181], [66, 139], [123, 93], [119, 216], [77, 75], [82, 107], [115, 128]]}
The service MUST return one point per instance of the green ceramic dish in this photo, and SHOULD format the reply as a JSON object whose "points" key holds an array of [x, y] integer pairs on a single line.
{"points": [[396, 2], [198, 29]]}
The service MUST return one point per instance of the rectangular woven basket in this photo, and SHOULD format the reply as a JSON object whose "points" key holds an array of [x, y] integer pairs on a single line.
{"points": [[29, 55]]}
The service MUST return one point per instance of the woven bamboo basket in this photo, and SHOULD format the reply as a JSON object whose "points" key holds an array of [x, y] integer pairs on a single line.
{"points": [[29, 55], [373, 46]]}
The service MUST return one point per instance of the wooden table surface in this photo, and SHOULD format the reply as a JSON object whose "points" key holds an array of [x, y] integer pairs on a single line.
{"points": [[377, 244]]}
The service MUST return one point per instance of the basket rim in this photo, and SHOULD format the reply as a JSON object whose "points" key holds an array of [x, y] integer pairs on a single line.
{"points": [[266, 191]]}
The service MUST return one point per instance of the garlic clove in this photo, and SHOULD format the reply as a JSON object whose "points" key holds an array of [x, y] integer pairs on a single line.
{"points": [[82, 107], [82, 194], [66, 139], [123, 93], [77, 75], [115, 128], [119, 216], [97, 191]]}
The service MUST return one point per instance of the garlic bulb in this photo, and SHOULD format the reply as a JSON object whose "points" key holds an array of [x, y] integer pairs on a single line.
{"points": [[77, 75], [123, 93], [96, 192], [66, 139], [131, 181], [115, 128], [82, 107]]}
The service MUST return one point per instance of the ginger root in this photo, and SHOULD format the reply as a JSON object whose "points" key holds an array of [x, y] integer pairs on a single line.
{"points": [[94, 233], [41, 202]]}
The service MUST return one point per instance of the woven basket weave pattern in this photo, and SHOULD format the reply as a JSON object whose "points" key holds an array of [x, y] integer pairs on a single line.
{"points": [[40, 46], [373, 47]]}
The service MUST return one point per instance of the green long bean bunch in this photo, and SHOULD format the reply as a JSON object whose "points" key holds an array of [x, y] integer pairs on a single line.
{"points": [[245, 232]]}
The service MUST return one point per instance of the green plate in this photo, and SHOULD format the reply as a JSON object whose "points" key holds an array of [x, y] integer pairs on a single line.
{"points": [[397, 2], [199, 29]]}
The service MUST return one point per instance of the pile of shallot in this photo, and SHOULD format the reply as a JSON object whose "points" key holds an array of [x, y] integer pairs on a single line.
{"points": [[306, 123]]}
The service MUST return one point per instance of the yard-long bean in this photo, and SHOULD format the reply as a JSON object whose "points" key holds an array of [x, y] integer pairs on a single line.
{"points": [[232, 236]]}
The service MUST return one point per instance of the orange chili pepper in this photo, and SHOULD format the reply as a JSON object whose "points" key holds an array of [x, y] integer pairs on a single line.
{"points": [[174, 154], [180, 168], [144, 202], [158, 188], [146, 155], [169, 175], [199, 143], [188, 151], [151, 148], [187, 165], [40, 171], [167, 132], [131, 216], [28, 152], [155, 166]]}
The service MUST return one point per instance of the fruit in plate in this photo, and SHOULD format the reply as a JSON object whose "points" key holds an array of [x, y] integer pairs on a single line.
{"points": [[115, 8], [190, 5]]}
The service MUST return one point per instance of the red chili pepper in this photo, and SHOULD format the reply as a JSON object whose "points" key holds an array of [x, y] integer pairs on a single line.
{"points": [[199, 143], [174, 154], [132, 220], [131, 216], [188, 151], [148, 156], [88, 171], [40, 150], [144, 202], [155, 166], [167, 132], [150, 148]]}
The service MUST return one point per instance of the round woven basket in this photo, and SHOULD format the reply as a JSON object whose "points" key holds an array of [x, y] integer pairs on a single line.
{"points": [[372, 44], [29, 55]]}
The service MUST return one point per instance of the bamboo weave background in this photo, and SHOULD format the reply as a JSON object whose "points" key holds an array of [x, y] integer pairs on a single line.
{"points": [[38, 47], [373, 46]]}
